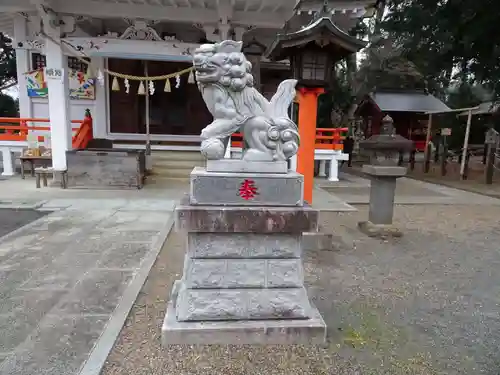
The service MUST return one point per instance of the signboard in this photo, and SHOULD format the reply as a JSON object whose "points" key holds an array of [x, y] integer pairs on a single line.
{"points": [[54, 73], [80, 86], [446, 131]]}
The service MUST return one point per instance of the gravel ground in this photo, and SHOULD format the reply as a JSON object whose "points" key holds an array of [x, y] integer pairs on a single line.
{"points": [[424, 304]]}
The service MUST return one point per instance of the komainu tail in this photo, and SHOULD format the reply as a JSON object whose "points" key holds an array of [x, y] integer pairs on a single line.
{"points": [[280, 102]]}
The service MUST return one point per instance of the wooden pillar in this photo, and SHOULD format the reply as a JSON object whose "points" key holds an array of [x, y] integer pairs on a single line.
{"points": [[255, 60], [466, 145], [308, 113]]}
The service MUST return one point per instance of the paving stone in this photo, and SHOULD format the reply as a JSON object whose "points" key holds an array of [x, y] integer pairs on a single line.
{"points": [[126, 220], [125, 256], [23, 239], [96, 246], [98, 293], [20, 315], [31, 258], [54, 301], [115, 236], [63, 273], [11, 279], [4, 355], [15, 329], [59, 346], [149, 205], [87, 204], [30, 300], [20, 204]]}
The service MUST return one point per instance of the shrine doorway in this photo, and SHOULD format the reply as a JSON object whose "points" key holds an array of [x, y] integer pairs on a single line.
{"points": [[180, 112]]}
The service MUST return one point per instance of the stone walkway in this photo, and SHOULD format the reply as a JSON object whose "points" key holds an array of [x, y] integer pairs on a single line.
{"points": [[70, 276]]}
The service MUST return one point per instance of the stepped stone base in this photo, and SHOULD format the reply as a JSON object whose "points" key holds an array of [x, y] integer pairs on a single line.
{"points": [[243, 332], [243, 279]]}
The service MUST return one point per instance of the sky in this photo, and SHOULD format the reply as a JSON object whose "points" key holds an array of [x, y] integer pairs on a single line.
{"points": [[13, 91]]}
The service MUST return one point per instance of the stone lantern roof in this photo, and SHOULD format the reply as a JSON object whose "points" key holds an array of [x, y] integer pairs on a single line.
{"points": [[387, 140]]}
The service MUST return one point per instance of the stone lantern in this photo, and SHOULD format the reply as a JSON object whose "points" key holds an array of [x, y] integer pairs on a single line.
{"points": [[383, 170], [314, 49], [383, 149]]}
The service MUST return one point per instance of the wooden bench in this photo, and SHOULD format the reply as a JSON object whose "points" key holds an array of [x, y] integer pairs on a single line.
{"points": [[41, 173], [32, 160]]}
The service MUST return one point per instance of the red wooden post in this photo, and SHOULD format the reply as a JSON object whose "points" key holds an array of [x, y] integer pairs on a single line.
{"points": [[308, 113]]}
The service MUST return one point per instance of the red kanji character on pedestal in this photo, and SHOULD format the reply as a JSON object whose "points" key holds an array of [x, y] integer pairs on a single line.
{"points": [[248, 190]]}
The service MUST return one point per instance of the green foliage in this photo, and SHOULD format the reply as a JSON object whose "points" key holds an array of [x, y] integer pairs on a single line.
{"points": [[382, 72], [449, 40], [8, 72], [9, 107]]}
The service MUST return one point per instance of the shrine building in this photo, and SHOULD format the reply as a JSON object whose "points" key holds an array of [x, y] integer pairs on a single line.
{"points": [[136, 39]]}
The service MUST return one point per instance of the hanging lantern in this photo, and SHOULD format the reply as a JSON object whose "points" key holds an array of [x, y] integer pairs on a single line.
{"points": [[191, 77], [127, 85], [167, 86], [115, 86], [151, 86], [142, 90]]}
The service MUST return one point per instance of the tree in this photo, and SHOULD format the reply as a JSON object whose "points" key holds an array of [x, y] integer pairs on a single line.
{"points": [[9, 107], [449, 40], [385, 68], [8, 72]]}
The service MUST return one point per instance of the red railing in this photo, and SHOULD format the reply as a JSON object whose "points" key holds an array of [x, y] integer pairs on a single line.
{"points": [[330, 138], [20, 131], [326, 139]]}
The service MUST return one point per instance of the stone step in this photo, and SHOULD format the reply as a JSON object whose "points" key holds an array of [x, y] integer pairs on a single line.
{"points": [[166, 180], [176, 164], [177, 155], [171, 172]]}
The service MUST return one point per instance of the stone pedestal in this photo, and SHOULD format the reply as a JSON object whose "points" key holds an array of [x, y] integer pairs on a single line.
{"points": [[382, 193], [243, 279]]}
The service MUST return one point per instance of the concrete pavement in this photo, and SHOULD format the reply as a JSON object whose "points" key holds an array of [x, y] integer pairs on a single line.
{"points": [[69, 279]]}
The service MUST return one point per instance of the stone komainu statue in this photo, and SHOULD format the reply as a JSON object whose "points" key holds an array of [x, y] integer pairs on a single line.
{"points": [[226, 84]]}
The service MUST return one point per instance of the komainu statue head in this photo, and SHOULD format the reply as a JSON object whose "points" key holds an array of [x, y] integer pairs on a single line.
{"points": [[223, 63]]}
